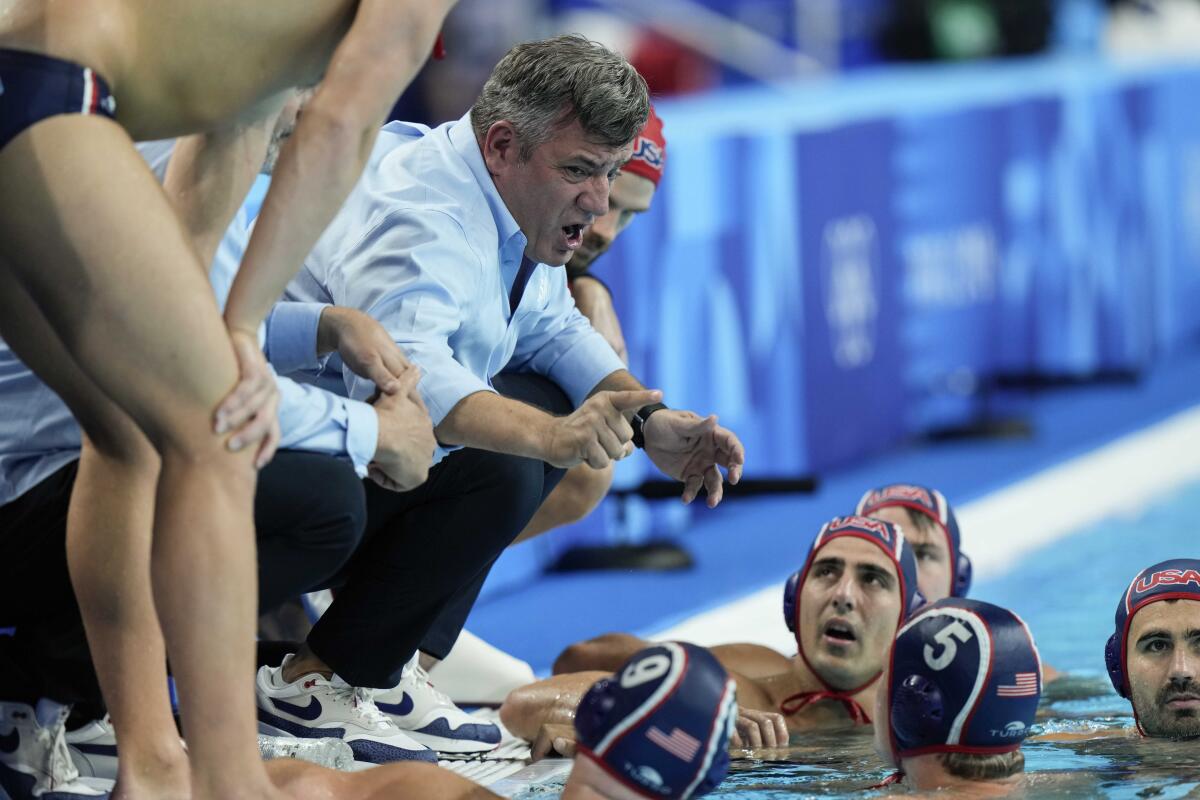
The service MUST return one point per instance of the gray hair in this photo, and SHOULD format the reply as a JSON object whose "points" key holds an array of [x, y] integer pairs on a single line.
{"points": [[539, 87]]}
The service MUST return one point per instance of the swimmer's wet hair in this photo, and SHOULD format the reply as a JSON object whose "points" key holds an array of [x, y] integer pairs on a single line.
{"points": [[542, 86], [977, 767]]}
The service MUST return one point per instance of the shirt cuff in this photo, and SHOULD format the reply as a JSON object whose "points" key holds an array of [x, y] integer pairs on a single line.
{"points": [[362, 434], [292, 336], [580, 369]]}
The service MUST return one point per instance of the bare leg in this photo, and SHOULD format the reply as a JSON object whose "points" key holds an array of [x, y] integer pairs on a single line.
{"points": [[577, 494], [110, 522], [95, 244]]}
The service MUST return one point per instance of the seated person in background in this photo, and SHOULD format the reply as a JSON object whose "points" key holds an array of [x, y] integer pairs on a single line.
{"points": [[1153, 656], [961, 691], [856, 588], [659, 728]]}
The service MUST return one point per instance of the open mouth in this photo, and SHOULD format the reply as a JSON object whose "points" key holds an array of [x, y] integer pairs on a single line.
{"points": [[839, 632], [574, 235]]}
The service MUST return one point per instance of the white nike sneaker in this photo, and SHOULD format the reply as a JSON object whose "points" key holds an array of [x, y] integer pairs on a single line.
{"points": [[314, 707], [432, 718], [34, 761], [93, 748]]}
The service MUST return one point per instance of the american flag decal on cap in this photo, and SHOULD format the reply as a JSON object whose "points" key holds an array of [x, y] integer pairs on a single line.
{"points": [[678, 744], [1025, 685]]}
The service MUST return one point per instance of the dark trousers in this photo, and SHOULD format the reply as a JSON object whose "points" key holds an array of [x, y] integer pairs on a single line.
{"points": [[309, 513], [427, 552]]}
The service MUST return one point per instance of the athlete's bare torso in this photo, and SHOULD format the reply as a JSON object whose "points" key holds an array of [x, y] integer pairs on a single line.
{"points": [[183, 66]]}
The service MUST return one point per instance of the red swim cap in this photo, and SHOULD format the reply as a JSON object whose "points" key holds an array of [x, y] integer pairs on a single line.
{"points": [[649, 151]]}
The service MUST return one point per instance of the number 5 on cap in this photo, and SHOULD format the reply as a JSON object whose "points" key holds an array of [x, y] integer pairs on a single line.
{"points": [[945, 637]]}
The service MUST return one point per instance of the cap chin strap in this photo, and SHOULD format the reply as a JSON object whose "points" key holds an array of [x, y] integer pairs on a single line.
{"points": [[802, 700], [891, 780]]}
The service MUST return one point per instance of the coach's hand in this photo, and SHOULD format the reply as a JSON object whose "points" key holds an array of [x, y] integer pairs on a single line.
{"points": [[406, 441], [758, 729], [250, 411], [364, 345], [691, 449], [597, 433]]}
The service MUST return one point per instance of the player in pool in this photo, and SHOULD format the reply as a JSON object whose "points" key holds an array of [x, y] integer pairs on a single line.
{"points": [[961, 691]]}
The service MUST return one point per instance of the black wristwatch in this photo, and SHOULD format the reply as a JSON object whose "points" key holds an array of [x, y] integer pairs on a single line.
{"points": [[639, 422]]}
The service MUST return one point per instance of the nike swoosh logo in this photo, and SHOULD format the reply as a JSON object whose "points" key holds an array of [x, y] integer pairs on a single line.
{"points": [[10, 742], [309, 712], [403, 708]]}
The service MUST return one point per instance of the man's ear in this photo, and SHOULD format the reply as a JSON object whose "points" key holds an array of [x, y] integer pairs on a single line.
{"points": [[501, 147]]}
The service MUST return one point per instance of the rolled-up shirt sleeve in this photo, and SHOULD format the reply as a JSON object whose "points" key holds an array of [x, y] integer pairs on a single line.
{"points": [[393, 274], [318, 421], [291, 341], [561, 344]]}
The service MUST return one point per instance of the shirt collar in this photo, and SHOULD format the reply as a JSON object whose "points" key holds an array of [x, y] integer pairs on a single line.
{"points": [[462, 138]]}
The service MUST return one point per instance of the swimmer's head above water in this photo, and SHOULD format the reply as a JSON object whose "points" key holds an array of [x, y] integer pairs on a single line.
{"points": [[1153, 656], [658, 728], [856, 587], [943, 569], [961, 691]]}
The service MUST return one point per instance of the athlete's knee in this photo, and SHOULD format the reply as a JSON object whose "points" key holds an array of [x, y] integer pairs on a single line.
{"points": [[583, 489], [599, 653]]}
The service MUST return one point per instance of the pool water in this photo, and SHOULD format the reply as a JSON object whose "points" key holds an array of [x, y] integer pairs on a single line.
{"points": [[1067, 593]]}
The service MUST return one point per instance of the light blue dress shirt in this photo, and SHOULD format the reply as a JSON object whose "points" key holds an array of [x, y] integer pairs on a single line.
{"points": [[425, 244], [38, 435]]}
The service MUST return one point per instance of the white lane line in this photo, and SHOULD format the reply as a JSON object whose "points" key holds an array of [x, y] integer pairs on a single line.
{"points": [[1120, 477]]}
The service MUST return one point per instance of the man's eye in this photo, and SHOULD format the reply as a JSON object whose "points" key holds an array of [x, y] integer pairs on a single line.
{"points": [[1156, 646], [823, 571], [928, 555], [576, 172]]}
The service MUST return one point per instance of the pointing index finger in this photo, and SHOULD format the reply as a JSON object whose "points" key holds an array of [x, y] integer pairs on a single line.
{"points": [[632, 400]]}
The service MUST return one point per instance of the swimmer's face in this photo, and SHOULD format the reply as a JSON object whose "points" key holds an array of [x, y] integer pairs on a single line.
{"points": [[1163, 660], [558, 191], [631, 195], [849, 607], [929, 547]]}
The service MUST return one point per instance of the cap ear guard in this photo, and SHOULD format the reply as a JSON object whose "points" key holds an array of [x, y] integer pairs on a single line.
{"points": [[591, 718], [789, 600], [963, 572], [1112, 660], [917, 712]]}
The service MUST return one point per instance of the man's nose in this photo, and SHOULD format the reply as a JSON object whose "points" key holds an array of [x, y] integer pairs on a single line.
{"points": [[594, 197], [1185, 665], [845, 594]]}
